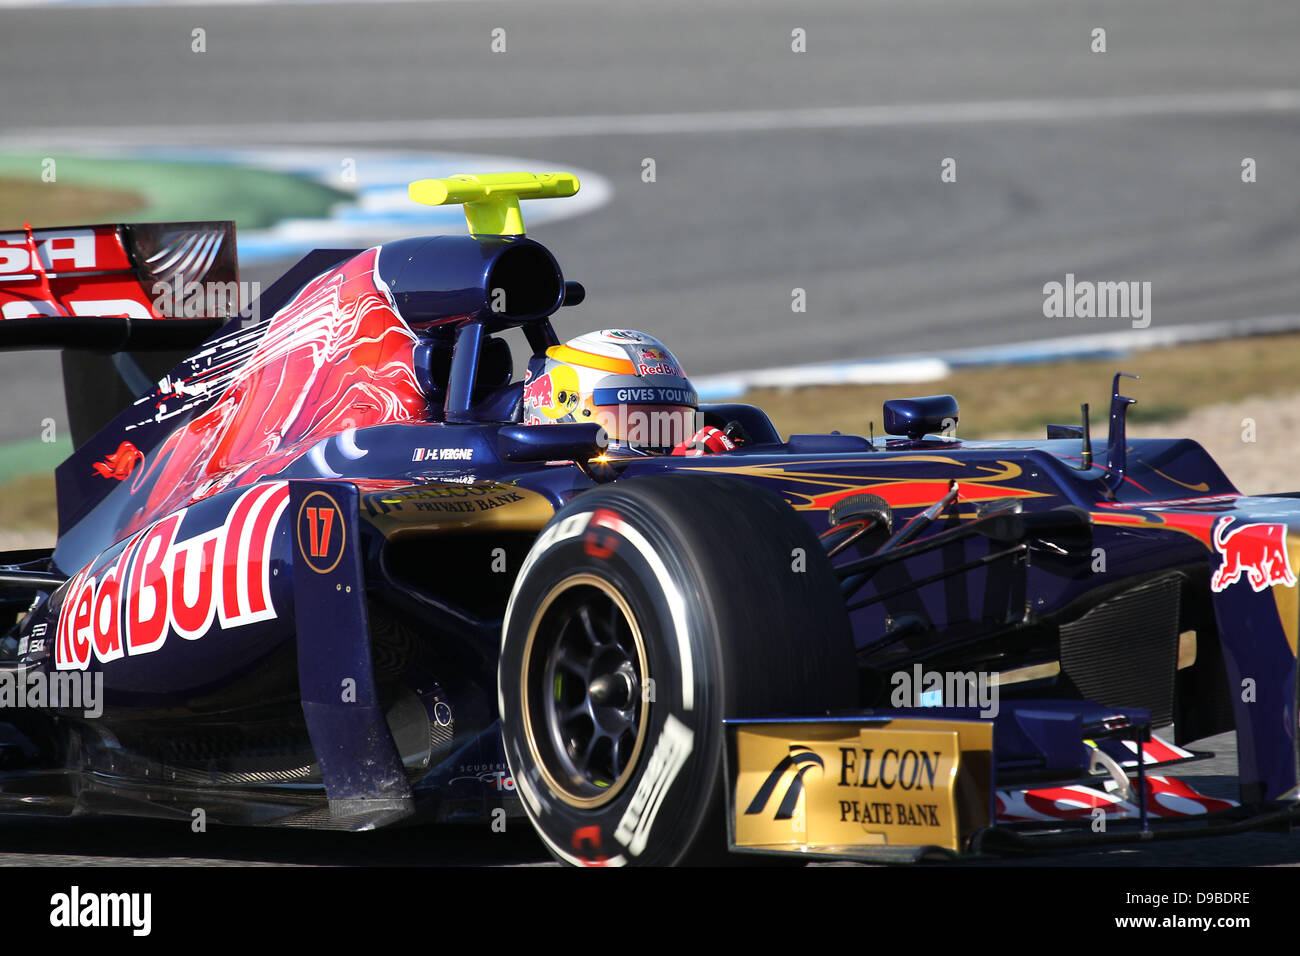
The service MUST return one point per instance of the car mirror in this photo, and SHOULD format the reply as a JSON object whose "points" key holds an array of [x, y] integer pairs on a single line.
{"points": [[578, 442]]}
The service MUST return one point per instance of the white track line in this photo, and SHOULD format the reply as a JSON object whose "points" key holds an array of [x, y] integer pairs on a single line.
{"points": [[651, 124]]}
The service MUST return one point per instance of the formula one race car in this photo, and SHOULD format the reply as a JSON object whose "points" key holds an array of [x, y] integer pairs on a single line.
{"points": [[329, 562]]}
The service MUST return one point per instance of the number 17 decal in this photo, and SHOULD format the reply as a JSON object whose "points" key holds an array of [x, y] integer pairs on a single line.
{"points": [[320, 543], [321, 548]]}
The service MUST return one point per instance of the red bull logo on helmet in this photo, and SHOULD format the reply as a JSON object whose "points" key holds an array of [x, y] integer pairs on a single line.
{"points": [[1256, 550], [554, 394], [538, 392], [656, 361]]}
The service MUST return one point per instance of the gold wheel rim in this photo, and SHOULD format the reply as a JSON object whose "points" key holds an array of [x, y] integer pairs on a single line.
{"points": [[562, 790]]}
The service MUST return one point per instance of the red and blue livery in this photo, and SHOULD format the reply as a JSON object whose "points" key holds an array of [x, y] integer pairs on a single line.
{"points": [[316, 566]]}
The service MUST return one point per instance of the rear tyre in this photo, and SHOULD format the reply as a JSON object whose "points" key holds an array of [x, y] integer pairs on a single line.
{"points": [[645, 613]]}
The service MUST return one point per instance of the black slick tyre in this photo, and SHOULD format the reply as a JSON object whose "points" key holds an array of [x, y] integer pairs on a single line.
{"points": [[646, 612]]}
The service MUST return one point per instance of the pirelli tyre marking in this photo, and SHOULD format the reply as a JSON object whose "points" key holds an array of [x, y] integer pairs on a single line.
{"points": [[670, 753]]}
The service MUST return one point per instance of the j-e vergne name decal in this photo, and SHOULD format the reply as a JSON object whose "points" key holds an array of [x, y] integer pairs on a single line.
{"points": [[161, 585]]}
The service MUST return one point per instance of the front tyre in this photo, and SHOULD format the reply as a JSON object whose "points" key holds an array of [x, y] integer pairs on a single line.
{"points": [[645, 613]]}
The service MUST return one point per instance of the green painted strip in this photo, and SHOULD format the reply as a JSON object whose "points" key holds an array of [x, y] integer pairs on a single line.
{"points": [[32, 456], [178, 191]]}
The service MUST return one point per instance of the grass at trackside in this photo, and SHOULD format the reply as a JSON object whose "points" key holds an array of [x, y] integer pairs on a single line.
{"points": [[32, 457], [22, 200], [27, 503], [147, 191], [998, 401]]}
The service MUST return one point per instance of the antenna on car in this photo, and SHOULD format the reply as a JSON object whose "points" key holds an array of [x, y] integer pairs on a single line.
{"points": [[1086, 456], [1116, 443], [491, 200]]}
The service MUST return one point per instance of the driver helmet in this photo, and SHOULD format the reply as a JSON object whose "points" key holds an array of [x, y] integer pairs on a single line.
{"points": [[627, 382]]}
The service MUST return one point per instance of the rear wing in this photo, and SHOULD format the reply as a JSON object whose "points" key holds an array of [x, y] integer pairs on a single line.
{"points": [[124, 302]]}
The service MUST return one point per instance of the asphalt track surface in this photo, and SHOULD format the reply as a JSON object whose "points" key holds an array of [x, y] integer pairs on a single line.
{"points": [[774, 170]]}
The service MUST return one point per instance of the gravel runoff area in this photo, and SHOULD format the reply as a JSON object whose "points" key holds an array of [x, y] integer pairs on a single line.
{"points": [[1250, 440], [18, 540]]}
